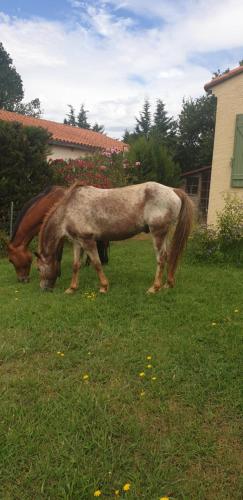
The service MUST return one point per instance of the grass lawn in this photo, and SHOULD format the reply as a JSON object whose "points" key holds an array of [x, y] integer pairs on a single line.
{"points": [[173, 432]]}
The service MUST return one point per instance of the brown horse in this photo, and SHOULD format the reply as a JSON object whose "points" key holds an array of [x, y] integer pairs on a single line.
{"points": [[86, 214], [27, 226]]}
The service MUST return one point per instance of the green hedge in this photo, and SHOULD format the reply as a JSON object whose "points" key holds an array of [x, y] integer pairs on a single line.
{"points": [[24, 170]]}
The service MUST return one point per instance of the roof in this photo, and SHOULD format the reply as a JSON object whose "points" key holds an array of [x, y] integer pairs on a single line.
{"points": [[222, 78], [197, 171], [65, 133]]}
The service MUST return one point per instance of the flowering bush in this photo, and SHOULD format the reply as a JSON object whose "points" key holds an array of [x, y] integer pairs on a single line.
{"points": [[67, 172], [105, 170]]}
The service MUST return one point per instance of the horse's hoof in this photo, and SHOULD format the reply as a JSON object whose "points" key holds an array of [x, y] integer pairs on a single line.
{"points": [[152, 289], [69, 291], [103, 289], [168, 285]]}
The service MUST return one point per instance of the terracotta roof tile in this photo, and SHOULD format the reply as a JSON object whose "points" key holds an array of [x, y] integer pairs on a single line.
{"points": [[66, 133], [222, 78]]}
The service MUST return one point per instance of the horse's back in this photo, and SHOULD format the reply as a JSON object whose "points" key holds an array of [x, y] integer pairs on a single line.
{"points": [[120, 212], [106, 213], [161, 202]]}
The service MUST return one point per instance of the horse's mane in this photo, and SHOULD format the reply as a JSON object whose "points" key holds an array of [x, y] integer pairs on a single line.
{"points": [[54, 207], [26, 207]]}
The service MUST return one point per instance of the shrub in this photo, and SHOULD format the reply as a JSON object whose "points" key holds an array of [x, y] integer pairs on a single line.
{"points": [[230, 228], [204, 246], [24, 171], [224, 243], [105, 169], [156, 163], [3, 244]]}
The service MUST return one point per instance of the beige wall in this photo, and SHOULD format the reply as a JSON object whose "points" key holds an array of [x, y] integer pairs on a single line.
{"points": [[66, 152], [229, 103]]}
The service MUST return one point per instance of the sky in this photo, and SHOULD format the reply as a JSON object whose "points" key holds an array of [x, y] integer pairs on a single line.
{"points": [[111, 55]]}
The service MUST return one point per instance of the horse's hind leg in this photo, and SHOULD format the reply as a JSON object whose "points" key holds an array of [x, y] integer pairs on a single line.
{"points": [[171, 275], [77, 251], [90, 248], [159, 242]]}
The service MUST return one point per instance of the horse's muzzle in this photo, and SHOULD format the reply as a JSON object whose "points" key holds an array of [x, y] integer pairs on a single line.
{"points": [[23, 279], [46, 287]]}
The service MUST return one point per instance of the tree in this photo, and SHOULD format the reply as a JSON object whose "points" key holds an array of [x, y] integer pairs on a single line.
{"points": [[164, 127], [11, 86], [196, 125], [218, 72], [129, 137], [82, 121], [163, 124], [32, 108], [126, 136], [70, 120], [24, 170], [143, 126], [156, 164], [98, 128]]}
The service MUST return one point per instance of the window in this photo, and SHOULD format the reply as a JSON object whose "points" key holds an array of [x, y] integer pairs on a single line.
{"points": [[237, 160]]}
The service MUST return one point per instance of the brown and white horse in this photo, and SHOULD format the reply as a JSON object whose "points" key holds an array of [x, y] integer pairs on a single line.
{"points": [[86, 214], [28, 225]]}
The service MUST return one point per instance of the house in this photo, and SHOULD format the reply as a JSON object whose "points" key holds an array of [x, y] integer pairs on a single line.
{"points": [[67, 142], [227, 164], [196, 183]]}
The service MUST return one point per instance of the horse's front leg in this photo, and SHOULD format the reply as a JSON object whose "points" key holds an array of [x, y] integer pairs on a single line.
{"points": [[159, 242], [77, 252], [90, 248]]}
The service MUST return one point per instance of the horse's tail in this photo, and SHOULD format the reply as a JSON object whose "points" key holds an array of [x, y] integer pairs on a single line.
{"points": [[103, 247], [182, 231], [103, 251]]}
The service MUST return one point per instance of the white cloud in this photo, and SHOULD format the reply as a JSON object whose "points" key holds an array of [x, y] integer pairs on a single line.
{"points": [[101, 60]]}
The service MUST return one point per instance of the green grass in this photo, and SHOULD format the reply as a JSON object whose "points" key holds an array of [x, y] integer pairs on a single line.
{"points": [[62, 437]]}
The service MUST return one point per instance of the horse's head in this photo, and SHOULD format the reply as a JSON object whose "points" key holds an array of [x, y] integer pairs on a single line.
{"points": [[49, 269], [21, 259]]}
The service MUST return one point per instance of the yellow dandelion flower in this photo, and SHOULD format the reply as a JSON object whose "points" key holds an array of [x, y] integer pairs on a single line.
{"points": [[126, 487], [142, 393], [153, 378], [62, 354], [58, 352], [142, 374], [97, 493], [85, 377], [164, 498], [149, 366], [149, 358], [117, 493], [236, 310], [213, 323]]}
